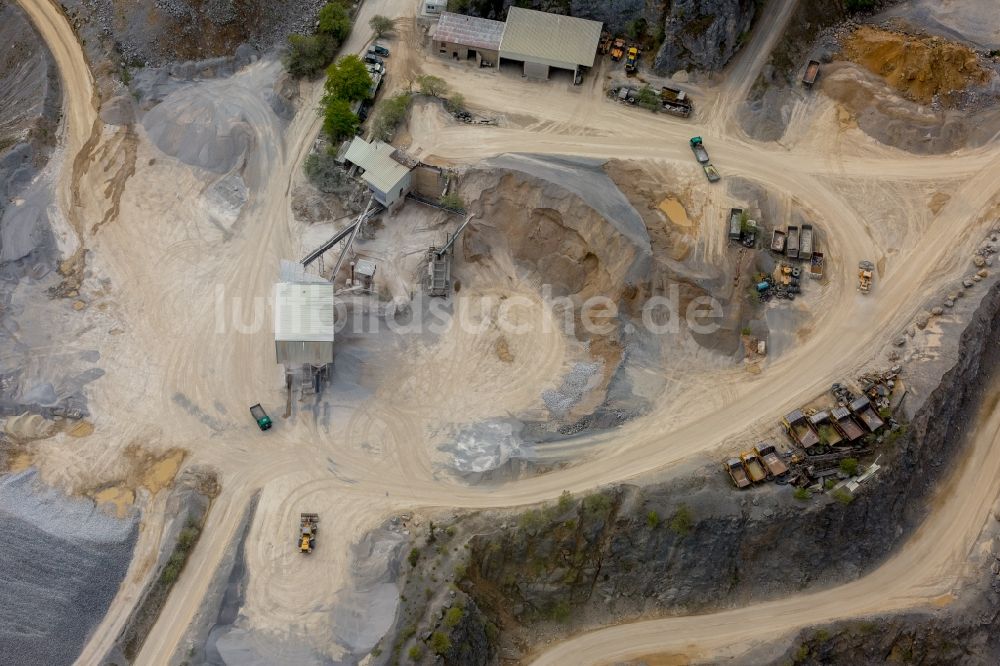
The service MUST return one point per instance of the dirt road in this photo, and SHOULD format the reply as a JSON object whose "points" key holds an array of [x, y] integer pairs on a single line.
{"points": [[179, 377], [925, 571]]}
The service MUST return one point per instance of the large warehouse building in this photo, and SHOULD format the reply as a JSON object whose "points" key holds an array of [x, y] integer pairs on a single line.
{"points": [[538, 40], [303, 323], [541, 40]]}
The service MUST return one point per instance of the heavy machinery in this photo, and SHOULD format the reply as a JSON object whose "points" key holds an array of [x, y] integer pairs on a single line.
{"points": [[816, 265], [711, 173], [778, 241], [737, 473], [618, 49], [675, 102], [812, 71], [792, 242], [605, 44], [865, 269], [263, 420], [698, 148], [753, 466], [632, 61], [775, 466], [308, 527]]}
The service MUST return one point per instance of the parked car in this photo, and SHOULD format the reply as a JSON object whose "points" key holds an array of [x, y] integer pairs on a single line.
{"points": [[376, 68], [379, 50], [372, 59]]}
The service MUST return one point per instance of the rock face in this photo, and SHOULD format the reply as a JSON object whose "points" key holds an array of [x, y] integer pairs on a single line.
{"points": [[703, 34], [692, 34], [687, 545]]}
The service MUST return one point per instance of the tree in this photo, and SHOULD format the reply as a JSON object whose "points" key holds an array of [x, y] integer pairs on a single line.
{"points": [[682, 522], [432, 86], [348, 79], [338, 119], [334, 21], [381, 24], [636, 29], [307, 55], [454, 202]]}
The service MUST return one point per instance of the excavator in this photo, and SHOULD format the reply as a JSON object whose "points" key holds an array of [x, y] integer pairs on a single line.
{"points": [[865, 269], [618, 50], [632, 61]]}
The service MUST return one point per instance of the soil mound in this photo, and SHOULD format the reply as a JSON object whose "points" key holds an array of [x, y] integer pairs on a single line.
{"points": [[919, 68]]}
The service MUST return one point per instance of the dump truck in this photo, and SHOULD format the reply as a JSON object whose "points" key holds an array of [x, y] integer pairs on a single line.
{"points": [[259, 415], [846, 424], [865, 269], [737, 473], [798, 429], [308, 527], [711, 173], [812, 72], [632, 61], [778, 241], [755, 470], [806, 242], [618, 49], [816, 266], [675, 102], [735, 223], [821, 423], [792, 244], [698, 148], [775, 466], [862, 408]]}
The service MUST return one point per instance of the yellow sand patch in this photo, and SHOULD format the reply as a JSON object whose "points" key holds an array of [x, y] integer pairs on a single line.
{"points": [[675, 212], [82, 429], [938, 201], [120, 496], [19, 462], [161, 473]]}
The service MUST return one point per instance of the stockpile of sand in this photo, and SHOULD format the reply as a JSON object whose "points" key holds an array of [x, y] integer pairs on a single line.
{"points": [[919, 68]]}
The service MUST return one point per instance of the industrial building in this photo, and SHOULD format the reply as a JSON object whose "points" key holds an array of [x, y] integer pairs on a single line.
{"points": [[462, 37], [303, 323], [539, 41], [542, 41], [387, 171]]}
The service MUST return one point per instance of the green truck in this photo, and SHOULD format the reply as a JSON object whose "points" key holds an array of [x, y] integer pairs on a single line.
{"points": [[263, 420]]}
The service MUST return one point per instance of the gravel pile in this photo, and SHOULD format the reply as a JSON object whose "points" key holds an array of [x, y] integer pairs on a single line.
{"points": [[62, 563]]}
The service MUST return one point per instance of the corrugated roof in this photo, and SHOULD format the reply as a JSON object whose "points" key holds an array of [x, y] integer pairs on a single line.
{"points": [[549, 39], [303, 312], [381, 171], [471, 31]]}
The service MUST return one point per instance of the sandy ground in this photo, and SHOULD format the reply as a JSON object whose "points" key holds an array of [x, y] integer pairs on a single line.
{"points": [[182, 372]]}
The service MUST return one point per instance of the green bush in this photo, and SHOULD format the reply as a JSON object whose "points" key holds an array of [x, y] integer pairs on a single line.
{"points": [[745, 330], [647, 98], [565, 501], [413, 557], [453, 202], [416, 653], [338, 119], [391, 114], [347, 79], [455, 103], [307, 55], [849, 466], [682, 522], [560, 612], [440, 643], [802, 494], [323, 171], [636, 29], [453, 616], [652, 519], [596, 503], [843, 496]]}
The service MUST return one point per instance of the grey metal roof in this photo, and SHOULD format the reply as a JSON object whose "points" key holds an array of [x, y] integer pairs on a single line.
{"points": [[303, 312], [381, 171], [471, 31], [550, 39]]}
